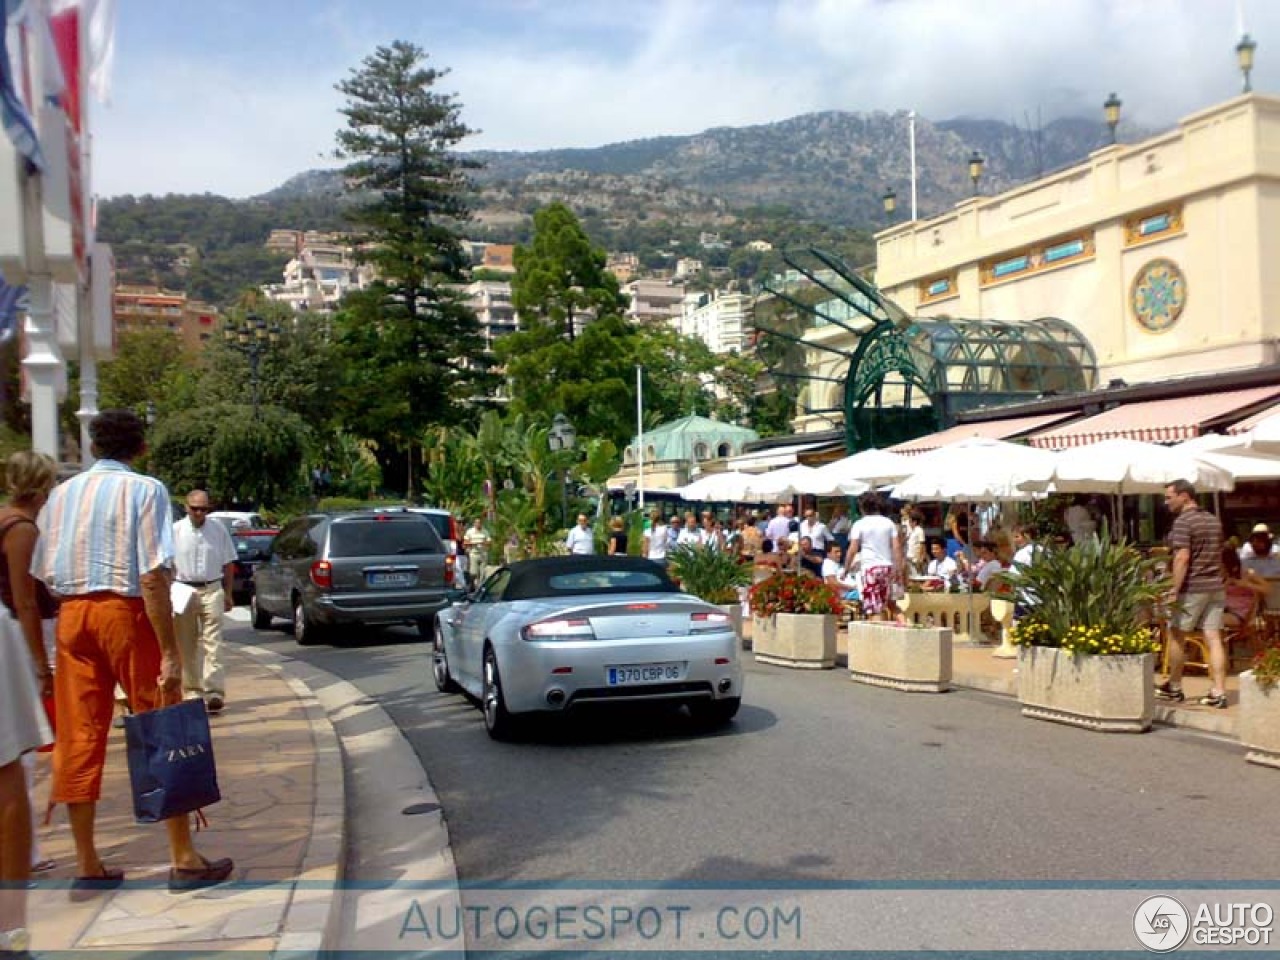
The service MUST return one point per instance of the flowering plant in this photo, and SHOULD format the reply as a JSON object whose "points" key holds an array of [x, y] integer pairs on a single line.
{"points": [[790, 592], [1266, 667], [1079, 638]]}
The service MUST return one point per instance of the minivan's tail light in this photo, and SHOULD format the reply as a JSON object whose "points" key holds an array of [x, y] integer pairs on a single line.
{"points": [[450, 569], [566, 629], [708, 622], [322, 574]]}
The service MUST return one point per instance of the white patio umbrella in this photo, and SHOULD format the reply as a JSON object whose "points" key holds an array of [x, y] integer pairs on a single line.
{"points": [[1264, 437], [1122, 466], [977, 468], [1223, 450], [867, 468], [720, 487], [788, 482]]}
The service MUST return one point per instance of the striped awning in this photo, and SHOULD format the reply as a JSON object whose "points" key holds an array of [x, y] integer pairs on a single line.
{"points": [[988, 429], [1248, 423], [1155, 421]]}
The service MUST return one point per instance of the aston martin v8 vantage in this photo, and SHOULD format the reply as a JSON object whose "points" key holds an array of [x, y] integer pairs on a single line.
{"points": [[553, 634]]}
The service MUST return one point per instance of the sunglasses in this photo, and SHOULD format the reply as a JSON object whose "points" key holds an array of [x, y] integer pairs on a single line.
{"points": [[197, 509]]}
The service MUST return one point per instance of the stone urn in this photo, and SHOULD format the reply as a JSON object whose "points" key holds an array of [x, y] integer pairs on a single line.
{"points": [[1260, 721], [1108, 694], [803, 641]]}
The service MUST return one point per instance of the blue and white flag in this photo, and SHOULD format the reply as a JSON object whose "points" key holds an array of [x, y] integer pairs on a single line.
{"points": [[13, 113], [13, 303]]}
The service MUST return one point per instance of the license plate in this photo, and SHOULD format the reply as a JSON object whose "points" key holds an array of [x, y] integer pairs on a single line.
{"points": [[391, 579], [639, 673]]}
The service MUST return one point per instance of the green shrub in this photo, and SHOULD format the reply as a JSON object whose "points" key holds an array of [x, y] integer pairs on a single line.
{"points": [[708, 573]]}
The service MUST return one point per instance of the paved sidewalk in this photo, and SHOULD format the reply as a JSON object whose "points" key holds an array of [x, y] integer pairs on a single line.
{"points": [[281, 819]]}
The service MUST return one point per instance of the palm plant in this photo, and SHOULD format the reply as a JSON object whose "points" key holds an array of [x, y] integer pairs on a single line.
{"points": [[710, 574]]}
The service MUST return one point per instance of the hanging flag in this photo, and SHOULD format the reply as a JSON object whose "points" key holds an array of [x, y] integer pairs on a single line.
{"points": [[101, 16], [13, 112], [13, 303]]}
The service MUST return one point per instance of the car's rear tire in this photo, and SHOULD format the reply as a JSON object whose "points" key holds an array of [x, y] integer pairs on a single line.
{"points": [[499, 723], [305, 630], [261, 618], [715, 713], [440, 668]]}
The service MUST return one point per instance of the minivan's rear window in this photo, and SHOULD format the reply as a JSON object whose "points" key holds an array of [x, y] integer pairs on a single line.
{"points": [[383, 538]]}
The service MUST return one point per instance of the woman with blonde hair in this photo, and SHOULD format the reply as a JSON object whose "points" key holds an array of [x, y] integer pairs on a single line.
{"points": [[24, 678]]}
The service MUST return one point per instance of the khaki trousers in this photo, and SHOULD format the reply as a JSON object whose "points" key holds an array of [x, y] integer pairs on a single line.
{"points": [[199, 632]]}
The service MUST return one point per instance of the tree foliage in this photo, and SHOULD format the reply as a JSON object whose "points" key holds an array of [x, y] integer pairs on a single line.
{"points": [[410, 333]]}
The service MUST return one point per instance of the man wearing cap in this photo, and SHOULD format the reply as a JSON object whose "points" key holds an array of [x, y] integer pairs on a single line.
{"points": [[1258, 554]]}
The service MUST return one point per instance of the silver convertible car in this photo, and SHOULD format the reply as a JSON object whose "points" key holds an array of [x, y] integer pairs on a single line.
{"points": [[548, 635]]}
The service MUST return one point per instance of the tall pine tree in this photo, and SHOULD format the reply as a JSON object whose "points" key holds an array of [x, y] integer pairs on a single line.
{"points": [[412, 347]]}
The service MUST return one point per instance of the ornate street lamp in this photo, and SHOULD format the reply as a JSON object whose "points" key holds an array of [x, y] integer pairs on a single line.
{"points": [[562, 437], [890, 204], [1244, 57], [1111, 107], [253, 337], [976, 163]]}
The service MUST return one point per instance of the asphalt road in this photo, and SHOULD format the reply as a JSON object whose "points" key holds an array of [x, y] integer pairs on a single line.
{"points": [[819, 779]]}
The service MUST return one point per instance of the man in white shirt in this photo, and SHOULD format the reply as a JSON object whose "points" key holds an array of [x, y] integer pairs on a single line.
{"points": [[813, 528], [780, 526], [988, 564], [655, 539], [204, 559], [834, 573], [692, 534], [1258, 553], [875, 542], [941, 565], [581, 541]]}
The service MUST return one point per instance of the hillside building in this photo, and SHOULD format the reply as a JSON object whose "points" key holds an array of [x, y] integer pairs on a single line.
{"points": [[323, 272], [654, 301], [151, 308], [720, 319], [491, 301]]}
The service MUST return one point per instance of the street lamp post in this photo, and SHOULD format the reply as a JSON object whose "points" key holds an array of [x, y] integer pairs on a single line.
{"points": [[1111, 107], [890, 204], [562, 437], [976, 164], [1244, 57], [252, 338]]}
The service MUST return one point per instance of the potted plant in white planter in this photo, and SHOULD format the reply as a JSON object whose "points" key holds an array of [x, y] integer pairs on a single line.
{"points": [[802, 611], [716, 576], [1086, 653], [1260, 708]]}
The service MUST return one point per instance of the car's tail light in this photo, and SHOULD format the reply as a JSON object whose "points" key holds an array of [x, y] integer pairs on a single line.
{"points": [[708, 622], [454, 533], [322, 574], [450, 571], [567, 629]]}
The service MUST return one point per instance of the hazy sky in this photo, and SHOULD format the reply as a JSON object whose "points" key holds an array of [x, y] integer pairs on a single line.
{"points": [[235, 96]]}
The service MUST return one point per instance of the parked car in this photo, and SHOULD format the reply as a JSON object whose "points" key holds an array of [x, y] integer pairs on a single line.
{"points": [[252, 547], [353, 569], [552, 634], [235, 520]]}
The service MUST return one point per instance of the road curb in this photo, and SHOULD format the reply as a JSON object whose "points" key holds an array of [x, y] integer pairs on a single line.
{"points": [[310, 924]]}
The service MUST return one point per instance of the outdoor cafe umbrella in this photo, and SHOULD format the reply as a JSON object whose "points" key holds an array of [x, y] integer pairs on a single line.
{"points": [[1122, 466], [1224, 451], [788, 482], [719, 487], [977, 468], [867, 468]]}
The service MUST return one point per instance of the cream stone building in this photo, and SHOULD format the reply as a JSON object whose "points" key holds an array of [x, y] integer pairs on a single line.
{"points": [[1160, 254]]}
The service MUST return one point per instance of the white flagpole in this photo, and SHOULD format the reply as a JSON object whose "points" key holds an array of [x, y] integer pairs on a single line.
{"points": [[640, 435], [912, 118]]}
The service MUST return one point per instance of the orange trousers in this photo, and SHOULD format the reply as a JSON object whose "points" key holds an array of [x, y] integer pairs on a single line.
{"points": [[103, 639]]}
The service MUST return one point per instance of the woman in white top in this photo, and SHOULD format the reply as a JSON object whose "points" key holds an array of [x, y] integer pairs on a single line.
{"points": [[655, 539], [874, 540]]}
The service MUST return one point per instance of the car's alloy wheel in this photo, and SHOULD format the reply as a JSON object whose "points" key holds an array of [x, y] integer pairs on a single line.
{"points": [[305, 631], [261, 618], [440, 668], [496, 718]]}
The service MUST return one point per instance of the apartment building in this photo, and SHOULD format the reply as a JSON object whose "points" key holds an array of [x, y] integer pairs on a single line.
{"points": [[491, 301], [720, 320], [151, 308], [655, 301], [323, 272]]}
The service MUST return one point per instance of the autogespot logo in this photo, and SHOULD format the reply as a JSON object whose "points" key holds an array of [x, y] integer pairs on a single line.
{"points": [[1161, 924]]}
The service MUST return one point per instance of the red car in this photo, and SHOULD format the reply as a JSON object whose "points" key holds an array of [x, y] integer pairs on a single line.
{"points": [[252, 547]]}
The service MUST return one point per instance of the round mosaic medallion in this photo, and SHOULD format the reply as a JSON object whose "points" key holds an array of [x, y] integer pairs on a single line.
{"points": [[1158, 295]]}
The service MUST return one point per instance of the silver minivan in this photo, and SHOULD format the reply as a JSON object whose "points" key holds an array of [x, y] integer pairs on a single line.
{"points": [[374, 568]]}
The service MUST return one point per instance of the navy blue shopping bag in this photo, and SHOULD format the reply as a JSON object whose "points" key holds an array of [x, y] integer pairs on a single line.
{"points": [[171, 766]]}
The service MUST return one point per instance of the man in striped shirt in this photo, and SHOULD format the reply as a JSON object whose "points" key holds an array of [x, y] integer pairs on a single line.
{"points": [[1199, 593], [106, 548]]}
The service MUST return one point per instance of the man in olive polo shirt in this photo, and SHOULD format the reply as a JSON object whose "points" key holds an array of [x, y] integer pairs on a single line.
{"points": [[1199, 594]]}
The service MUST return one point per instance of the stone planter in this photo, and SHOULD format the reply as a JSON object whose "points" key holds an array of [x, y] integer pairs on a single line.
{"points": [[805, 641], [1106, 694], [1260, 721], [734, 610], [915, 659]]}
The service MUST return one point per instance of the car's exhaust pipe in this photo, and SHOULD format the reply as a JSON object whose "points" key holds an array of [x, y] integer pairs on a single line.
{"points": [[724, 685], [555, 697]]}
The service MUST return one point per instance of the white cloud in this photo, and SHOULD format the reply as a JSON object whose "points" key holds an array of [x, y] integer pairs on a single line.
{"points": [[573, 73]]}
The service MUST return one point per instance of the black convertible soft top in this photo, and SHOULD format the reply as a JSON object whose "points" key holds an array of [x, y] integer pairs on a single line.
{"points": [[559, 576]]}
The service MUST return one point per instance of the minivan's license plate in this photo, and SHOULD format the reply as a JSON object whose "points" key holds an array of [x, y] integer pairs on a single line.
{"points": [[390, 579], [638, 673]]}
